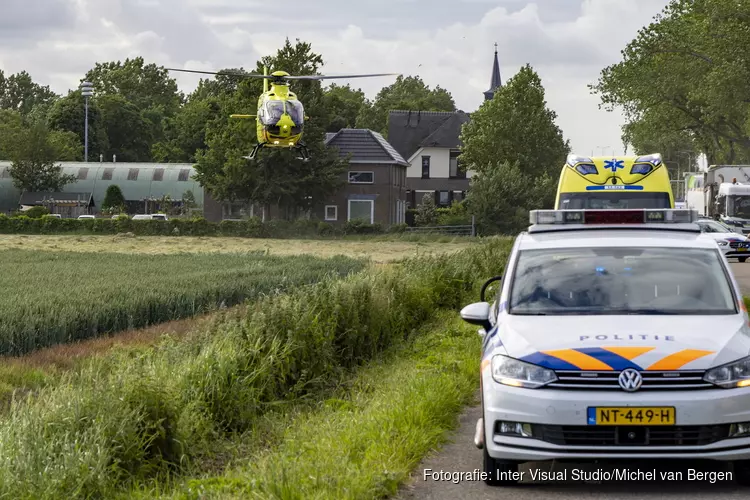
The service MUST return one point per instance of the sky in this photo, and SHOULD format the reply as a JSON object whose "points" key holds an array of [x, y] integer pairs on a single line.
{"points": [[449, 43]]}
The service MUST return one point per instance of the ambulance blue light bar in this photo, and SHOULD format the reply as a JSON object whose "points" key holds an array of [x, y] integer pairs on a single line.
{"points": [[627, 216]]}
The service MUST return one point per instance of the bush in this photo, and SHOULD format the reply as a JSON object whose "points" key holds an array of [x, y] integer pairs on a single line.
{"points": [[196, 226], [36, 212]]}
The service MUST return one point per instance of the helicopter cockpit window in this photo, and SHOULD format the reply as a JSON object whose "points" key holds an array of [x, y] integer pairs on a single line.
{"points": [[274, 110], [296, 111]]}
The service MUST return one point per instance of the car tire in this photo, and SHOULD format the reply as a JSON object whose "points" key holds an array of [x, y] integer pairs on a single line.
{"points": [[741, 472], [742, 259], [496, 472]]}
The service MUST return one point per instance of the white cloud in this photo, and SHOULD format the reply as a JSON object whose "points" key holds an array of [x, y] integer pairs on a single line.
{"points": [[447, 43]]}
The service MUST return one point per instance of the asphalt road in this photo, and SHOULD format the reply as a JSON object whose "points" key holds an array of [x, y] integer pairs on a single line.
{"points": [[460, 455]]}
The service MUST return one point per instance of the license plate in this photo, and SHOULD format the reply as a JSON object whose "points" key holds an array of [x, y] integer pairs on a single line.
{"points": [[742, 249], [632, 415]]}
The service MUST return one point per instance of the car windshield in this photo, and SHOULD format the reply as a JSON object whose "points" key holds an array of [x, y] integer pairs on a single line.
{"points": [[620, 280], [605, 200], [741, 206], [710, 226]]}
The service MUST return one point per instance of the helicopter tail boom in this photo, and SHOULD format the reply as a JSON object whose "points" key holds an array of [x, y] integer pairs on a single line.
{"points": [[241, 116]]}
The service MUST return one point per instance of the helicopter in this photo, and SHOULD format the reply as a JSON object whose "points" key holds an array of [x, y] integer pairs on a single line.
{"points": [[281, 116]]}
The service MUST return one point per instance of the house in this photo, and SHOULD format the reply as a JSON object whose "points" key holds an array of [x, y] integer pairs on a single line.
{"points": [[430, 142], [375, 189]]}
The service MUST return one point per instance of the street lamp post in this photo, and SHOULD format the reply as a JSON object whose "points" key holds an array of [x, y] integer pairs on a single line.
{"points": [[87, 90]]}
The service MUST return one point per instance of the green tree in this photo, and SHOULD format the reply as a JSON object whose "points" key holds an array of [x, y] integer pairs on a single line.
{"points": [[144, 85], [186, 132], [14, 127], [276, 176], [114, 200], [427, 214], [20, 93], [407, 93], [513, 139], [128, 133], [33, 157], [500, 198], [344, 104], [686, 71], [68, 114], [515, 126]]}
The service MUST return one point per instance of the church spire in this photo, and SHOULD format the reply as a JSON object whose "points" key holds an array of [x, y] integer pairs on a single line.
{"points": [[495, 81]]}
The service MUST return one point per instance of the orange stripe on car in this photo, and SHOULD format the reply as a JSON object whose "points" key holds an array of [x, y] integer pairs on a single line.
{"points": [[677, 360], [579, 359]]}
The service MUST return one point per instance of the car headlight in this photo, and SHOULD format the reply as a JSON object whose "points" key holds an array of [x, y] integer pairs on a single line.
{"points": [[723, 243], [734, 374], [509, 371]]}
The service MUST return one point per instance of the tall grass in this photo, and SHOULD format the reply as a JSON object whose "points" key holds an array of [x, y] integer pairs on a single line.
{"points": [[136, 415], [52, 298]]}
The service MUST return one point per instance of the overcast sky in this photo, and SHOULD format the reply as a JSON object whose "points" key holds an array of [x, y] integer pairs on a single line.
{"points": [[446, 42]]}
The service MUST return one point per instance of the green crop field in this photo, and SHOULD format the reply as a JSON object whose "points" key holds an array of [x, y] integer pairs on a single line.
{"points": [[50, 298]]}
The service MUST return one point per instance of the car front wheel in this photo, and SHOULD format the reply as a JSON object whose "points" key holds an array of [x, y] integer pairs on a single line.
{"points": [[499, 472], [741, 469], [742, 259]]}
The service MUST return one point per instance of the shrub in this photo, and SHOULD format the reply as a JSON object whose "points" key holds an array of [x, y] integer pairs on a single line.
{"points": [[36, 212]]}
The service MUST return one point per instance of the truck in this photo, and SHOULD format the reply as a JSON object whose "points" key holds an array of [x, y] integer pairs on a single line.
{"points": [[722, 193]]}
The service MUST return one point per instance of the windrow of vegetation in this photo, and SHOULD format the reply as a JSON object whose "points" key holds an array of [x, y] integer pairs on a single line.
{"points": [[146, 415], [60, 297]]}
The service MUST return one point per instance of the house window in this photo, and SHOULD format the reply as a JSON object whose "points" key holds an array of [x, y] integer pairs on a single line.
{"points": [[83, 172], [158, 174], [184, 175], [332, 212], [444, 199], [425, 167], [362, 210], [133, 174], [107, 175], [361, 177], [455, 171]]}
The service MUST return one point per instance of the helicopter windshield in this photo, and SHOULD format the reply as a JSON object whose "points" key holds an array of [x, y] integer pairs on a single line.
{"points": [[296, 111], [273, 112]]}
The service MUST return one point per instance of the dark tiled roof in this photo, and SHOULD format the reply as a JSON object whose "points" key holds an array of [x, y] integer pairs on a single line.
{"points": [[410, 130], [39, 197], [365, 146]]}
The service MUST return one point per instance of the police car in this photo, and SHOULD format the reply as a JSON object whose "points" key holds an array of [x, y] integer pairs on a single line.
{"points": [[614, 334]]}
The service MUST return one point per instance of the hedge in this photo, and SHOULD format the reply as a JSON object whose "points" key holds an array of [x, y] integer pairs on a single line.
{"points": [[249, 228]]}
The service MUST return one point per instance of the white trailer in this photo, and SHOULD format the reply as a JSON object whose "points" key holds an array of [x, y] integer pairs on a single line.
{"points": [[726, 195]]}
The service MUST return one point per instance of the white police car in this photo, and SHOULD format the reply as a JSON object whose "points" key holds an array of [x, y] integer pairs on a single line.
{"points": [[615, 334]]}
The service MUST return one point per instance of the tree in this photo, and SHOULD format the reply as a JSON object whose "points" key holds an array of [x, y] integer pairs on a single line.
{"points": [[33, 161], [144, 85], [515, 126], [516, 150], [276, 176], [500, 198], [68, 114], [20, 93], [688, 71], [409, 93], [114, 200], [13, 126], [344, 104], [128, 133], [427, 213], [186, 132]]}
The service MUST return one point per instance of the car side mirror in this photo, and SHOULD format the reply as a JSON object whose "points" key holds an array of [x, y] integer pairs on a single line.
{"points": [[477, 313], [486, 284]]}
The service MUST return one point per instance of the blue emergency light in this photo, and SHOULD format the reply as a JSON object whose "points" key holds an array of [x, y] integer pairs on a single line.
{"points": [[624, 216]]}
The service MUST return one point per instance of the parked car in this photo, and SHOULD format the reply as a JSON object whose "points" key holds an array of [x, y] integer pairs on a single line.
{"points": [[150, 217], [86, 217]]}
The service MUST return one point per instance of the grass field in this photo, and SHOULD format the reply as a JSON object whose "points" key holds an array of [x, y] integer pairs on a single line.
{"points": [[57, 297], [378, 248]]}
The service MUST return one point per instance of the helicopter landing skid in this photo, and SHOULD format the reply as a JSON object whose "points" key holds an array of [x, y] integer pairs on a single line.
{"points": [[304, 154], [254, 152]]}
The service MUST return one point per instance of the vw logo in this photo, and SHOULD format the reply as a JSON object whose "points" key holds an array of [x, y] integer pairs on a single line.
{"points": [[630, 380]]}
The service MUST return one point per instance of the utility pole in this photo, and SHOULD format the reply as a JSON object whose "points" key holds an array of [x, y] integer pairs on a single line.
{"points": [[87, 90]]}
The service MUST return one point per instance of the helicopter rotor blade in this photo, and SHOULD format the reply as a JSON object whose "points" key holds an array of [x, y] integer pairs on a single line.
{"points": [[324, 77], [221, 73]]}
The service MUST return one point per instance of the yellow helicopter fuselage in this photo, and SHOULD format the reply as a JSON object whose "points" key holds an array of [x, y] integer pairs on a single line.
{"points": [[280, 118]]}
